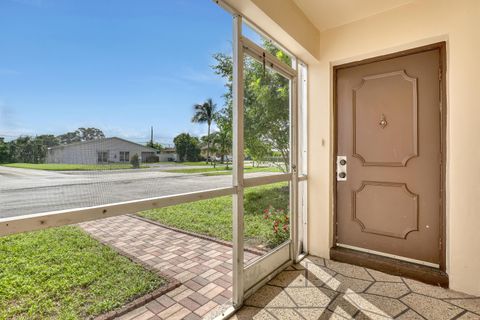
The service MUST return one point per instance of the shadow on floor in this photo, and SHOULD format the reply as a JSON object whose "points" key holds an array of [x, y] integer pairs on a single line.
{"points": [[318, 288]]}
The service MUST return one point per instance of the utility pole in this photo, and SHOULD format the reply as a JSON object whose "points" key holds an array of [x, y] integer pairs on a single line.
{"points": [[151, 137]]}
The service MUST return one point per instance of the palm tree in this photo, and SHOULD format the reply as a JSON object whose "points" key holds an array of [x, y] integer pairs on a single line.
{"points": [[205, 113], [223, 142]]}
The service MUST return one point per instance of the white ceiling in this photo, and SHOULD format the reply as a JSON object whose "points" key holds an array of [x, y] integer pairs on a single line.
{"points": [[327, 14]]}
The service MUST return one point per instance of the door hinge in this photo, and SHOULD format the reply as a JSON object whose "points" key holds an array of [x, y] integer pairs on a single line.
{"points": [[439, 74]]}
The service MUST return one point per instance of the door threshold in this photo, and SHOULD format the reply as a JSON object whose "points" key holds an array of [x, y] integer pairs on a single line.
{"points": [[391, 266], [393, 256]]}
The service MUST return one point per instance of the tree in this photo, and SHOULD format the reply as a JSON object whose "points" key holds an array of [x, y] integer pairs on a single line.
{"points": [[48, 140], [4, 151], [187, 147], [266, 106], [154, 145], [22, 150], [69, 137], [205, 113], [88, 134], [81, 134], [224, 137], [29, 149], [41, 144]]}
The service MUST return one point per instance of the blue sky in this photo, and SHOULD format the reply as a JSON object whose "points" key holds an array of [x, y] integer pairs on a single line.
{"points": [[119, 65]]}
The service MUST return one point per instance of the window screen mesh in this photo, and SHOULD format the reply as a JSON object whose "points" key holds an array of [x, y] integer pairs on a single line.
{"points": [[103, 102]]}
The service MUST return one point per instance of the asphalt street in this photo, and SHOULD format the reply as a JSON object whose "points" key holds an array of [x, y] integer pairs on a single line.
{"points": [[26, 191]]}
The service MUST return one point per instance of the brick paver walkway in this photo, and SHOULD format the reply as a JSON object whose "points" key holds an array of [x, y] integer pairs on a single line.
{"points": [[318, 288], [204, 267]]}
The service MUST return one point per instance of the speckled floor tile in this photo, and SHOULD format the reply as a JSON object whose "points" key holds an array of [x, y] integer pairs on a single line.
{"points": [[388, 289], [348, 270], [310, 290], [431, 308], [467, 304]]}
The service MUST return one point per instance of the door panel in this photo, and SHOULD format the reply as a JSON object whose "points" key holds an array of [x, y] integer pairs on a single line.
{"points": [[389, 128]]}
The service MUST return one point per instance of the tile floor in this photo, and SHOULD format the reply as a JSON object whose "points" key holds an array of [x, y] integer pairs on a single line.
{"points": [[318, 288]]}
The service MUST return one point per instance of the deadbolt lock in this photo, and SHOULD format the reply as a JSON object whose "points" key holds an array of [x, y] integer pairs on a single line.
{"points": [[341, 168]]}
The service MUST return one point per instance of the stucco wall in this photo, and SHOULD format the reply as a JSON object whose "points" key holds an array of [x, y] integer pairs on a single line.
{"points": [[413, 25]]}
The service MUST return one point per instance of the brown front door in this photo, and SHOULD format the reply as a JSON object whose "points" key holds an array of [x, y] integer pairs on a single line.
{"points": [[388, 198]]}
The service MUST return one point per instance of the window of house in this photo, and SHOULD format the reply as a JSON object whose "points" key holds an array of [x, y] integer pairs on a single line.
{"points": [[102, 156], [124, 156]]}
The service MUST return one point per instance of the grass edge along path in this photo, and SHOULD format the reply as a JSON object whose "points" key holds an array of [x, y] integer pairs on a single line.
{"points": [[63, 273], [221, 170], [213, 217]]}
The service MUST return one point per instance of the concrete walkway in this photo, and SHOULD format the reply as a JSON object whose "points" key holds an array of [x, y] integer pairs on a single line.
{"points": [[204, 267], [323, 289]]}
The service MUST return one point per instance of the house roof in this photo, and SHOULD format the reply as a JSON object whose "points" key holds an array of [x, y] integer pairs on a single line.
{"points": [[100, 141], [169, 150]]}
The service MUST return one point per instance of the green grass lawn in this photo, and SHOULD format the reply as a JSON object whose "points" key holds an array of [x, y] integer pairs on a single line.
{"points": [[222, 170], [213, 217], [247, 170], [70, 167], [63, 273], [193, 163], [186, 163]]}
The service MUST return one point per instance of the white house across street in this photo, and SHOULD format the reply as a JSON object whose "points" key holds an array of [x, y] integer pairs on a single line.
{"points": [[100, 151]]}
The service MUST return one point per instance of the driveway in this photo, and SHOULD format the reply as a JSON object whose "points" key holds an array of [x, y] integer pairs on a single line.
{"points": [[26, 191]]}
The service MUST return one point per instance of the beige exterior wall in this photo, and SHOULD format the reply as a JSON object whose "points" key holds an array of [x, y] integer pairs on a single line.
{"points": [[413, 25], [416, 24]]}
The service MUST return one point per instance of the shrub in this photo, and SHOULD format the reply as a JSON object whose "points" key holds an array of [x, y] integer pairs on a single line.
{"points": [[280, 225], [152, 159], [135, 161]]}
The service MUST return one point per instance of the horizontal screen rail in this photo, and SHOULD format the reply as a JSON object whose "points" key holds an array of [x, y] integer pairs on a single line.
{"points": [[258, 53], [262, 180], [40, 221]]}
